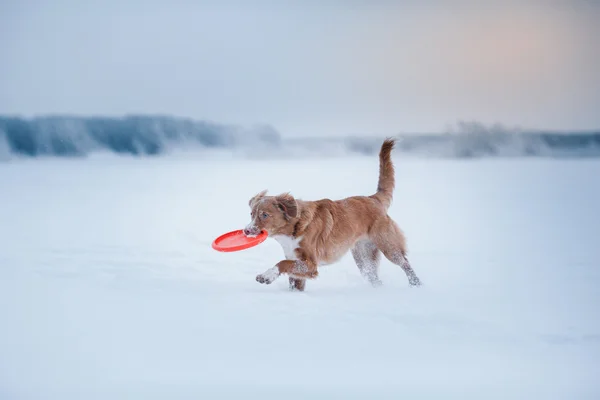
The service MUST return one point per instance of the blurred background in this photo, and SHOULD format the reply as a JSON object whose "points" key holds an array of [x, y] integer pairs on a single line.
{"points": [[149, 77]]}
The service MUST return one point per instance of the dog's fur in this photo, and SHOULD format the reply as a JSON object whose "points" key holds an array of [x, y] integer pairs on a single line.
{"points": [[314, 233]]}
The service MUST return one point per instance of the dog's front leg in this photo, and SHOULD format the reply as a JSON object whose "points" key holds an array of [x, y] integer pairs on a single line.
{"points": [[297, 284], [295, 268], [269, 275]]}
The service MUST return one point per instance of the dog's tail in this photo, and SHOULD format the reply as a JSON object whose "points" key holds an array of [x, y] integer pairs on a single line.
{"points": [[386, 184]]}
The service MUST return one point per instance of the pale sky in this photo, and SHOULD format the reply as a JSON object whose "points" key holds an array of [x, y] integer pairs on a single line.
{"points": [[308, 68]]}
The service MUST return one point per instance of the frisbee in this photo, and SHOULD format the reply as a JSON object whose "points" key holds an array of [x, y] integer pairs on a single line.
{"points": [[237, 240]]}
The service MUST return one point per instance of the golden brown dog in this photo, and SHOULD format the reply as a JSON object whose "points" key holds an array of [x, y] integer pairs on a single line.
{"points": [[314, 233]]}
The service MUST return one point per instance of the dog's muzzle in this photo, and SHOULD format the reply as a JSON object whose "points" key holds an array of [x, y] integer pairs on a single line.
{"points": [[251, 230]]}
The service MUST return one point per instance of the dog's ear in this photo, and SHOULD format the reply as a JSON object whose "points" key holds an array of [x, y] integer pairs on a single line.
{"points": [[286, 203], [257, 197]]}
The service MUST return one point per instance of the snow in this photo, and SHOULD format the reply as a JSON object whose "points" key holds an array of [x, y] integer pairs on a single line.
{"points": [[109, 288]]}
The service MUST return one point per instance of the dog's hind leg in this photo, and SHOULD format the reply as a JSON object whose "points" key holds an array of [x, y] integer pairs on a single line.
{"points": [[388, 238], [366, 256]]}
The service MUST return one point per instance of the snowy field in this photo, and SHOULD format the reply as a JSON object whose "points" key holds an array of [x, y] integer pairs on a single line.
{"points": [[109, 288]]}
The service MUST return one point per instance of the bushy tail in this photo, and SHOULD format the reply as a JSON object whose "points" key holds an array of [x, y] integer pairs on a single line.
{"points": [[385, 187]]}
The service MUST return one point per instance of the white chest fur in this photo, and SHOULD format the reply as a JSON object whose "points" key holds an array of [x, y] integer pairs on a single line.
{"points": [[289, 245]]}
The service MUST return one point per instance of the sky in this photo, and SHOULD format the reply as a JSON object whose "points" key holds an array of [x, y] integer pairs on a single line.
{"points": [[307, 68]]}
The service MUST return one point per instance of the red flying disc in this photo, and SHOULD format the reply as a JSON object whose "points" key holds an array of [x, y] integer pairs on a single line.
{"points": [[237, 240]]}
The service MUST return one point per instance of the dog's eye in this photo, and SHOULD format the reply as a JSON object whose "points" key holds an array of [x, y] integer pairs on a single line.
{"points": [[264, 215]]}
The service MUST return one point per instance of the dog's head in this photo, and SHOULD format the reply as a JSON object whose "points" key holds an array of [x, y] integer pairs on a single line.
{"points": [[270, 213]]}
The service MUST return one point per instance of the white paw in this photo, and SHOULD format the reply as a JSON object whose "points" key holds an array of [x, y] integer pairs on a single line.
{"points": [[413, 281], [268, 276]]}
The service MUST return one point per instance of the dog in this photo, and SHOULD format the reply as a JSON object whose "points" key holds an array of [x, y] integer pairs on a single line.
{"points": [[315, 233]]}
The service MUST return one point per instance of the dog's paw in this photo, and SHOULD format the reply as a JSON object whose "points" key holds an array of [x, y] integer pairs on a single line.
{"points": [[261, 279], [376, 283], [414, 282], [268, 276]]}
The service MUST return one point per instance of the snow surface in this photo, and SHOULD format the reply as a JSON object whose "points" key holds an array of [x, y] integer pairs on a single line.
{"points": [[109, 288]]}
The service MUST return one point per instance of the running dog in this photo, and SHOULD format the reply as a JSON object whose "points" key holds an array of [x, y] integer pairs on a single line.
{"points": [[315, 233]]}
